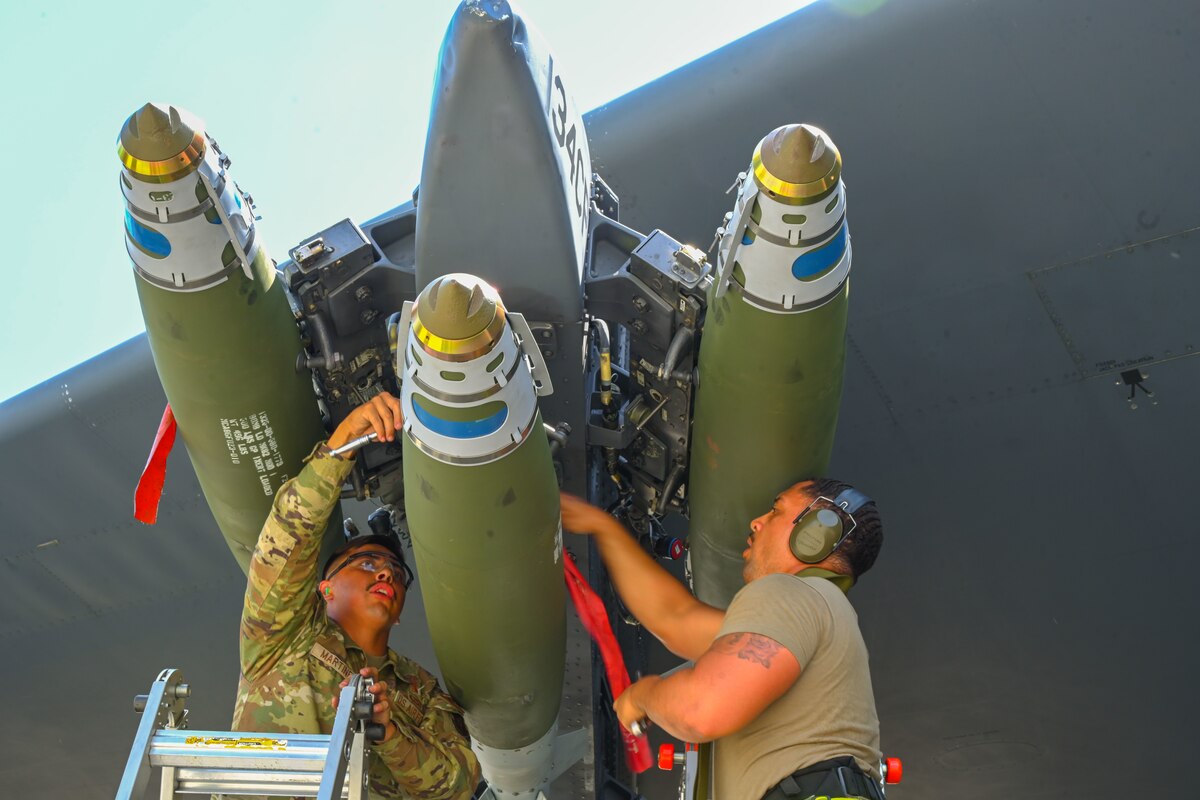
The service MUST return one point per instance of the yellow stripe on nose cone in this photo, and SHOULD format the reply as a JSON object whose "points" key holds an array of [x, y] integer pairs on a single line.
{"points": [[798, 164], [458, 317]]}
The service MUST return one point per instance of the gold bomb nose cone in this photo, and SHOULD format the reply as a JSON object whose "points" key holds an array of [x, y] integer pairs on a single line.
{"points": [[160, 144], [154, 133], [457, 306], [458, 316], [798, 162]]}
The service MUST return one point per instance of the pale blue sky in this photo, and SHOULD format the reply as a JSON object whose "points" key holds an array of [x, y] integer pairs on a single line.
{"points": [[322, 107]]}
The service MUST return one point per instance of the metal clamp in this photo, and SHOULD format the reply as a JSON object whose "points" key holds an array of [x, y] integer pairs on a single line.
{"points": [[725, 256], [529, 345], [227, 222]]}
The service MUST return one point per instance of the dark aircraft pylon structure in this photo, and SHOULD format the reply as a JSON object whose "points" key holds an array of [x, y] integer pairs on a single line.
{"points": [[535, 342]]}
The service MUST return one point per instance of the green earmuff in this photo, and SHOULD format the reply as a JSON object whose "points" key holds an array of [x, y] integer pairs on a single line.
{"points": [[815, 535]]}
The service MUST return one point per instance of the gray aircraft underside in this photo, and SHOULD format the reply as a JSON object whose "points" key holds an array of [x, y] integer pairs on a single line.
{"points": [[1025, 214]]}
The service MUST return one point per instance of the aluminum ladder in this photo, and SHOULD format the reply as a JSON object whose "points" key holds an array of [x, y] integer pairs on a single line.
{"points": [[238, 762]]}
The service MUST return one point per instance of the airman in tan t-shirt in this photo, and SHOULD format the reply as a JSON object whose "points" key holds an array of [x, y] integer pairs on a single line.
{"points": [[828, 712], [780, 681]]}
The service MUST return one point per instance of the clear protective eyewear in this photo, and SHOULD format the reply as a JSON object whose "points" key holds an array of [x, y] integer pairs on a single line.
{"points": [[374, 562]]}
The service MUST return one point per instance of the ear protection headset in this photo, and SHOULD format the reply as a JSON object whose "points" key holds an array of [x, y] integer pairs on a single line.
{"points": [[821, 528]]}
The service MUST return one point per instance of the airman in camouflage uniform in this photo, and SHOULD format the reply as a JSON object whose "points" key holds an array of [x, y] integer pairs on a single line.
{"points": [[295, 655]]}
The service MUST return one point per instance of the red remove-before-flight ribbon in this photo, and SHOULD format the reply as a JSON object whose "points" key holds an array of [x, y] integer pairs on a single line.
{"points": [[149, 488], [595, 619]]}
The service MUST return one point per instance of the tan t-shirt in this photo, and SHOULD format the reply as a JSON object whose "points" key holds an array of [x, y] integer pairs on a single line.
{"points": [[829, 711]]}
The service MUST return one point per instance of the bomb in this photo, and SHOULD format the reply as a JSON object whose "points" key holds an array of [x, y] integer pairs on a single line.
{"points": [[773, 348], [224, 338], [483, 512]]}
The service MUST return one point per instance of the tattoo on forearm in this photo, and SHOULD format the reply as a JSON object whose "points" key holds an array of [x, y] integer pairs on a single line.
{"points": [[749, 647]]}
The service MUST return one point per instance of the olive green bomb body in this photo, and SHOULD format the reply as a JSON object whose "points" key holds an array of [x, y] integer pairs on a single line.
{"points": [[772, 354], [220, 327], [489, 554], [482, 506]]}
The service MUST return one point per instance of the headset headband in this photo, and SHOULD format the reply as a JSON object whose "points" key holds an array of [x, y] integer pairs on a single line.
{"points": [[851, 500]]}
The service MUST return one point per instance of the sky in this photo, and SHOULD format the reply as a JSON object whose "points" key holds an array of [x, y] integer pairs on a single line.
{"points": [[321, 106]]}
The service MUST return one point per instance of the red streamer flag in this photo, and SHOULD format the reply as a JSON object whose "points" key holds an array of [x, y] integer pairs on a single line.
{"points": [[595, 619], [150, 485]]}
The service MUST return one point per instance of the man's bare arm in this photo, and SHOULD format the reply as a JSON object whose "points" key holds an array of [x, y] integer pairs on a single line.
{"points": [[682, 623], [730, 685]]}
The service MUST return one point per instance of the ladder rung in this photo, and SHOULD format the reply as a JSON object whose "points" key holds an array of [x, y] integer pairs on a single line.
{"points": [[224, 750], [250, 782]]}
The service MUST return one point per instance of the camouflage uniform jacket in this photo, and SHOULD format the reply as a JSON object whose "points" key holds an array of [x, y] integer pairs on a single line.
{"points": [[293, 657]]}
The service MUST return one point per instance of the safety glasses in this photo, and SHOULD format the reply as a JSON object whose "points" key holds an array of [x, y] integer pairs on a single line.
{"points": [[374, 562]]}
